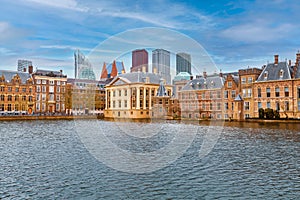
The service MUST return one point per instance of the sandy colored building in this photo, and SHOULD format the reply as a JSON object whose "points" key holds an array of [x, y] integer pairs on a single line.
{"points": [[230, 92], [131, 95], [16, 93]]}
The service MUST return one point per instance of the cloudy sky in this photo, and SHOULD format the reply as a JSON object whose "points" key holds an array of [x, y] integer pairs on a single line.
{"points": [[236, 34]]}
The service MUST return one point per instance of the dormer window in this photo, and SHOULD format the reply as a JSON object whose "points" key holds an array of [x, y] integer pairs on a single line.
{"points": [[266, 75], [281, 73]]}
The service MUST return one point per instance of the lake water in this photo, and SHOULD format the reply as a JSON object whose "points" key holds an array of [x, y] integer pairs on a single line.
{"points": [[50, 160]]}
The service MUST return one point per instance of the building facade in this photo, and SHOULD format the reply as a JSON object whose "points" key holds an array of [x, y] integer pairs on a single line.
{"points": [[50, 91], [139, 60], [16, 93], [83, 67], [85, 97], [183, 63], [131, 95], [161, 64]]}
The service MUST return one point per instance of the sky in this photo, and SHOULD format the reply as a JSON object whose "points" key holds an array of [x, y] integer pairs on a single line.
{"points": [[235, 34]]}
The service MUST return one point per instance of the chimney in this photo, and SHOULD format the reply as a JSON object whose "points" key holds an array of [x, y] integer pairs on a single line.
{"points": [[298, 57], [276, 59], [30, 69], [60, 71], [204, 74], [191, 77], [24, 69]]}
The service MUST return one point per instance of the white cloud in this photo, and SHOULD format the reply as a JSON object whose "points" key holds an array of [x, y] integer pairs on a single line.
{"points": [[62, 4]]}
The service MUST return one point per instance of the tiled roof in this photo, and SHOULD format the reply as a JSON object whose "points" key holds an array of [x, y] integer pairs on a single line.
{"points": [[41, 72], [280, 71], [210, 82], [8, 75], [139, 77], [119, 65]]}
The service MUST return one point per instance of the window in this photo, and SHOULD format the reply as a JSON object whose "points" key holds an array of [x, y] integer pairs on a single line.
{"points": [[246, 105], [298, 90], [277, 91], [51, 89], [37, 107], [259, 92], [2, 97], [203, 106], [9, 89], [266, 75], [210, 94], [57, 82], [1, 107], [259, 105], [286, 106], [277, 106], [226, 106], [229, 84], [17, 98], [249, 79], [281, 73], [57, 97], [23, 98], [219, 106], [44, 82], [51, 82], [247, 116], [9, 107], [218, 94], [286, 91], [57, 89], [233, 94], [243, 80], [57, 107], [114, 104], [120, 103], [249, 92], [38, 97], [125, 92], [43, 88], [16, 107], [30, 90], [225, 94], [232, 106], [210, 106], [17, 89], [38, 88], [9, 98], [43, 97], [38, 81], [125, 103], [203, 95], [244, 92], [268, 90], [298, 105], [1, 89], [120, 93], [114, 93], [30, 99], [268, 104]]}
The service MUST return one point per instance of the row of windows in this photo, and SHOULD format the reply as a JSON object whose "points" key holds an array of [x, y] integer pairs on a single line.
{"points": [[51, 89], [210, 106], [246, 80], [278, 105], [43, 97], [16, 98], [12, 107], [277, 92], [51, 82], [42, 107], [16, 89]]}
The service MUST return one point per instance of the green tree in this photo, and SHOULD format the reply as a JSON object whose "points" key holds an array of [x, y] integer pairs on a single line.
{"points": [[261, 113], [276, 114], [269, 113]]}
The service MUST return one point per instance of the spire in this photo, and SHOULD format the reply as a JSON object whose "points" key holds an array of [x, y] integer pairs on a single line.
{"points": [[114, 70], [104, 72], [161, 92]]}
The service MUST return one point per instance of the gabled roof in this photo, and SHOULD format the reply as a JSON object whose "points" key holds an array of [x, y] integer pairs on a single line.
{"points": [[273, 72], [119, 66], [201, 83], [161, 92], [8, 75]]}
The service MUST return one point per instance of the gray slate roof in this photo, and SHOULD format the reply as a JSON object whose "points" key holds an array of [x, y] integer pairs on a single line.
{"points": [[273, 72], [161, 90], [8, 75], [140, 77], [210, 82], [51, 73]]}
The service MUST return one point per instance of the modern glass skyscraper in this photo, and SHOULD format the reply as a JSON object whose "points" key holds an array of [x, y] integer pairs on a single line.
{"points": [[139, 60], [83, 67], [161, 63], [183, 63], [23, 65]]}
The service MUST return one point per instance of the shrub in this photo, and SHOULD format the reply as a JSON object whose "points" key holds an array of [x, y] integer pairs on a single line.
{"points": [[269, 113], [261, 113], [276, 114]]}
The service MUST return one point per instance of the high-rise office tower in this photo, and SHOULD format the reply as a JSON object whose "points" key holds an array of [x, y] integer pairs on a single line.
{"points": [[183, 63], [83, 67], [161, 64], [23, 65], [139, 60]]}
